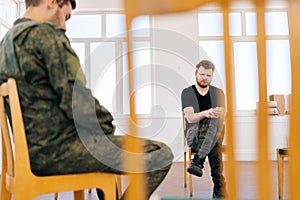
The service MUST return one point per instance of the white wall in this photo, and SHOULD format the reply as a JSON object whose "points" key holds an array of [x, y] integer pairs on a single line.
{"points": [[246, 136]]}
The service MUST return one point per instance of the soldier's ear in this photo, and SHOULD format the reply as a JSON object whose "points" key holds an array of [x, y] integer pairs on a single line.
{"points": [[51, 3]]}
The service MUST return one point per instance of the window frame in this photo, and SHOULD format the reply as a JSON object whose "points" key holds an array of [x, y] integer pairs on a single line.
{"points": [[118, 111], [243, 38]]}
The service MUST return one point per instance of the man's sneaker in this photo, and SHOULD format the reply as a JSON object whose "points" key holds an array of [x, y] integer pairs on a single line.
{"points": [[219, 191], [218, 196], [195, 169]]}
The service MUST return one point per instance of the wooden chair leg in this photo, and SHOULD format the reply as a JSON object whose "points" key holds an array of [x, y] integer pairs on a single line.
{"points": [[55, 196], [190, 175], [280, 174], [191, 185], [184, 168], [5, 195], [119, 185], [89, 190]]}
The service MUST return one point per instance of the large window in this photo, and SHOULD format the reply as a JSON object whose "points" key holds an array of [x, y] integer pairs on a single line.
{"points": [[8, 14], [244, 50], [102, 49], [210, 31]]}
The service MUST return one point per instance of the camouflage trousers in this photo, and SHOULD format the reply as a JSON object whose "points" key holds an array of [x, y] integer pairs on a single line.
{"points": [[104, 153]]}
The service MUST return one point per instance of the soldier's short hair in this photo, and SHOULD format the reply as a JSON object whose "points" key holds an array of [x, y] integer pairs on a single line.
{"points": [[73, 3], [59, 2]]}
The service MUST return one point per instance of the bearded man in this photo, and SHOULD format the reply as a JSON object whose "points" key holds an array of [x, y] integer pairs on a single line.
{"points": [[203, 106]]}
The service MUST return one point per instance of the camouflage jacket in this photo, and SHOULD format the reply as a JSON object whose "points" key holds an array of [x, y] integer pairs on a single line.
{"points": [[54, 100]]}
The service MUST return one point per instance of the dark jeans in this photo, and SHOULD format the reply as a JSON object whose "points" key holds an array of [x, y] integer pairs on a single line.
{"points": [[216, 165]]}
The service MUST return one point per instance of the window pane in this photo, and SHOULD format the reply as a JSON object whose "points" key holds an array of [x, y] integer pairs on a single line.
{"points": [[142, 78], [235, 24], [103, 73], [22, 8], [84, 26], [115, 25], [8, 11], [2, 11], [251, 23], [276, 23], [214, 51], [141, 26], [246, 75], [278, 67], [210, 24], [3, 31], [79, 48]]}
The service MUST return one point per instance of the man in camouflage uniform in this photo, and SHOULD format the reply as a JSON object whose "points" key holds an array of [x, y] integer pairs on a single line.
{"points": [[67, 130]]}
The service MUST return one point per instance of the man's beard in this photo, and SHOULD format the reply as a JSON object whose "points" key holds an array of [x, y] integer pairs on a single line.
{"points": [[201, 85]]}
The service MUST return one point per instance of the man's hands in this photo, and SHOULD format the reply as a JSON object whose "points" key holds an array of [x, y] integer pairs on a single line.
{"points": [[192, 117], [216, 112]]}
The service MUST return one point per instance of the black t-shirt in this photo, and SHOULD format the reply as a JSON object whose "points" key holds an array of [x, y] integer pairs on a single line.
{"points": [[191, 97]]}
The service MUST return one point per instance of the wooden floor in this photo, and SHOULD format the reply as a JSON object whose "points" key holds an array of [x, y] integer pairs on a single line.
{"points": [[172, 186]]}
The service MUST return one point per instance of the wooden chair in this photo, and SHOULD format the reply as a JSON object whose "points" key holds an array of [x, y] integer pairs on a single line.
{"points": [[281, 154], [17, 178]]}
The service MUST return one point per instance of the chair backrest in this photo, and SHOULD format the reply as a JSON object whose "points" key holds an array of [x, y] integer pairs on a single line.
{"points": [[183, 125], [14, 144], [184, 132]]}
